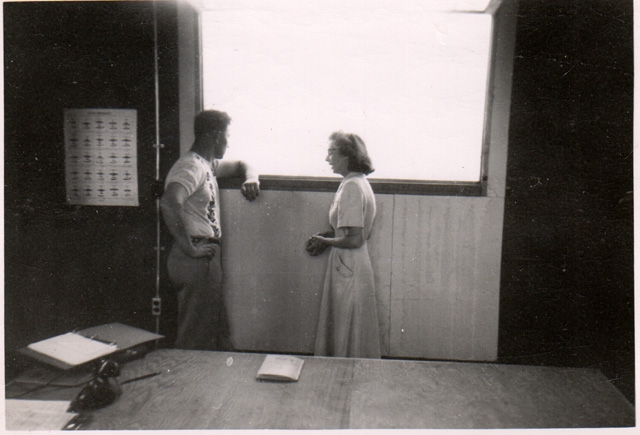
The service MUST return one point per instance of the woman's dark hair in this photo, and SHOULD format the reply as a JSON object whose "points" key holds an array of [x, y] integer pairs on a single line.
{"points": [[209, 121], [352, 146]]}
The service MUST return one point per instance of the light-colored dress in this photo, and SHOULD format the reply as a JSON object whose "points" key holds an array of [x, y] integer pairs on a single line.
{"points": [[348, 323]]}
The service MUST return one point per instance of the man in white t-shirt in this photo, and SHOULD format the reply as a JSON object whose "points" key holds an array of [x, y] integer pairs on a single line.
{"points": [[191, 209]]}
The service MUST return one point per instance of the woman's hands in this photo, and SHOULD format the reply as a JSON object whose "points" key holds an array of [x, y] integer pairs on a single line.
{"points": [[315, 247], [353, 238], [317, 243]]}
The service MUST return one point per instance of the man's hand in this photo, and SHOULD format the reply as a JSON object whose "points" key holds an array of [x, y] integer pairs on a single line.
{"points": [[203, 248], [250, 189]]}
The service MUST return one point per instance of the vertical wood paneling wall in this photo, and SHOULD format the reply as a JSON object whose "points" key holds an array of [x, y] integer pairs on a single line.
{"points": [[436, 261], [445, 277]]}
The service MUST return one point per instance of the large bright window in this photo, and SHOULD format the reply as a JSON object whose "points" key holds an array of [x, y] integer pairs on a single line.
{"points": [[410, 80]]}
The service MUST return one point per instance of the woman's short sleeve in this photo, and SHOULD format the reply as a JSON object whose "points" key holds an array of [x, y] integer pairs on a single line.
{"points": [[351, 206]]}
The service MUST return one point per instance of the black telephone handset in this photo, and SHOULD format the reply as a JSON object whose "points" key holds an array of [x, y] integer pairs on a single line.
{"points": [[101, 391]]}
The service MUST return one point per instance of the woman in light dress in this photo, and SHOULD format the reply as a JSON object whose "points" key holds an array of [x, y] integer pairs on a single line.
{"points": [[348, 323]]}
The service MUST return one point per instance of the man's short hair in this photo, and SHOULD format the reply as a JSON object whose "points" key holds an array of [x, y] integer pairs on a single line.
{"points": [[209, 121]]}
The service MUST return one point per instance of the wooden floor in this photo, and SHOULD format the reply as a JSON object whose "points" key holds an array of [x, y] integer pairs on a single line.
{"points": [[218, 390], [488, 396]]}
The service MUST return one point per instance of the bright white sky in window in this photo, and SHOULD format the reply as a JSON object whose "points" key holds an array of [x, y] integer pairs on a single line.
{"points": [[411, 82]]}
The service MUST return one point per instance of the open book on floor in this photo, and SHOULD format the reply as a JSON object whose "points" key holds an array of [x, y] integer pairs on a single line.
{"points": [[280, 368]]}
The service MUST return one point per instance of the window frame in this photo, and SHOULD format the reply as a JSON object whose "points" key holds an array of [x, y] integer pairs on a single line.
{"points": [[386, 186], [380, 186]]}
